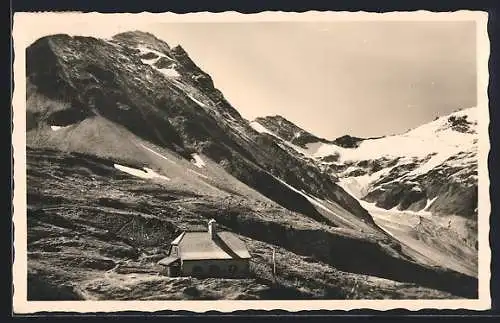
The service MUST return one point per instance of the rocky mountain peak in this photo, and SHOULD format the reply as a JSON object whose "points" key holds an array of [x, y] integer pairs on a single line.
{"points": [[140, 39], [137, 36], [131, 34], [286, 130], [179, 50], [348, 141], [462, 121]]}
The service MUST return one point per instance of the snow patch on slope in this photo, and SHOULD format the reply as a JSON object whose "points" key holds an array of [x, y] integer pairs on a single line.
{"points": [[158, 154], [167, 72], [199, 174], [261, 129], [145, 50], [55, 128], [146, 173], [196, 101], [197, 161], [429, 203], [311, 199], [355, 186]]}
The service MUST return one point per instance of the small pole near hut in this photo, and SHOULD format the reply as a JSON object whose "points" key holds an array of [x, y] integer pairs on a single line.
{"points": [[274, 264]]}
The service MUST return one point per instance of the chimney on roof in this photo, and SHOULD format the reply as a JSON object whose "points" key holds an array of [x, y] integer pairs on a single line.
{"points": [[212, 230]]}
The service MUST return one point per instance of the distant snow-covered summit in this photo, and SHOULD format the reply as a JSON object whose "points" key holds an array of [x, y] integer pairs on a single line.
{"points": [[433, 162]]}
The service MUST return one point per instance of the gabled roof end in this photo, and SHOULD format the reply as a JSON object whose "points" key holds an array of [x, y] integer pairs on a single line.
{"points": [[178, 239]]}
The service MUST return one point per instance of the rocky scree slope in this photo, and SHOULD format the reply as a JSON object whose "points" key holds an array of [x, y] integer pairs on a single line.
{"points": [[96, 233]]}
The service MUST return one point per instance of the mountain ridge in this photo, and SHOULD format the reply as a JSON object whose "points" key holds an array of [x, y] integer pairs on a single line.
{"points": [[220, 114], [460, 121], [272, 117]]}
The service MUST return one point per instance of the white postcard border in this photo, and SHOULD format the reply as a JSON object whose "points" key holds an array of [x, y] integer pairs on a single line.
{"points": [[24, 22]]}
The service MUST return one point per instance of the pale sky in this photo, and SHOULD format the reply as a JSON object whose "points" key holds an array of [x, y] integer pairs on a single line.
{"points": [[331, 78]]}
